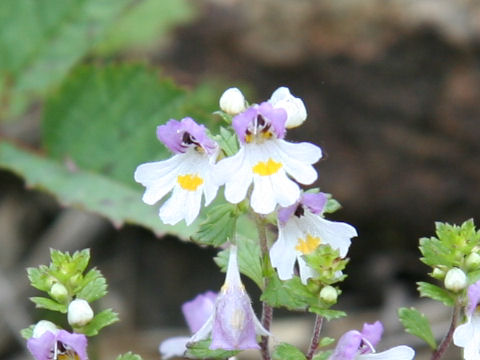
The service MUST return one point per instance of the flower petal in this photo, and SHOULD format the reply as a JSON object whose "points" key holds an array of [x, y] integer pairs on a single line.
{"points": [[283, 254], [198, 310], [401, 352], [41, 347], [173, 347], [78, 342], [347, 346], [372, 332]]}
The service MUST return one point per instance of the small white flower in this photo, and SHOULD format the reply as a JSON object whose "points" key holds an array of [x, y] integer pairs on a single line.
{"points": [[301, 230], [79, 313], [232, 101], [468, 335], [266, 160], [294, 106]]}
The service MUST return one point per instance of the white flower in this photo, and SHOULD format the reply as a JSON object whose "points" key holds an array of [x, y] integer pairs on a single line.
{"points": [[79, 313], [301, 230], [232, 101], [294, 106], [266, 160], [455, 280], [188, 174], [468, 335]]}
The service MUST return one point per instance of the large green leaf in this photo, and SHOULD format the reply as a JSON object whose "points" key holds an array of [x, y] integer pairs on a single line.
{"points": [[417, 324], [105, 119], [40, 41], [146, 22], [85, 190]]}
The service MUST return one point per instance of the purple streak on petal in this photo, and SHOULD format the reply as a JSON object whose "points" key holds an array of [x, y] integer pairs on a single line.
{"points": [[284, 214], [198, 310], [274, 117], [234, 325], [314, 202], [473, 294], [78, 342], [372, 333], [347, 346], [41, 347], [178, 136], [241, 122]]}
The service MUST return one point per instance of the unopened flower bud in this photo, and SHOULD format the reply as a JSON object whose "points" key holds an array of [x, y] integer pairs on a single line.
{"points": [[232, 101], [455, 280], [472, 261], [59, 292], [329, 294], [294, 106], [79, 313], [438, 273], [42, 327]]}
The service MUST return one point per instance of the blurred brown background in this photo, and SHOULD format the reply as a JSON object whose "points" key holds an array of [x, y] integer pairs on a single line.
{"points": [[392, 89]]}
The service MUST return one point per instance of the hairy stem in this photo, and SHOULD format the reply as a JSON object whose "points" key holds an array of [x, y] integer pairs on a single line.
{"points": [[438, 353], [315, 337], [267, 310]]}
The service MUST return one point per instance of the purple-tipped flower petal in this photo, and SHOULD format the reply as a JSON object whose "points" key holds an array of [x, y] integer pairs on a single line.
{"points": [[179, 136], [50, 344], [259, 123], [356, 345], [198, 310]]}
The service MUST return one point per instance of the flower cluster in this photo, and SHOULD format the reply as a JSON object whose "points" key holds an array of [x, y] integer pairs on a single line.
{"points": [[268, 172]]}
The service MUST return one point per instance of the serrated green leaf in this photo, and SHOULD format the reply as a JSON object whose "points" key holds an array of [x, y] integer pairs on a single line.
{"points": [[325, 341], [145, 23], [80, 260], [249, 259], [39, 278], [417, 324], [41, 40], [219, 225], [291, 294], [200, 350], [87, 191], [93, 290], [49, 304], [27, 333], [228, 141], [327, 313], [436, 293], [129, 356], [284, 351], [101, 320]]}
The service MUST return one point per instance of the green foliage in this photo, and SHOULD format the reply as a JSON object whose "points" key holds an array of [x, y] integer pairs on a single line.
{"points": [[328, 314], [436, 293], [291, 294], [144, 24], [323, 355], [451, 244], [249, 259], [129, 356], [100, 320], [200, 350], [88, 191], [27, 333], [328, 264], [284, 351], [41, 40], [64, 280], [227, 140], [417, 324], [219, 225]]}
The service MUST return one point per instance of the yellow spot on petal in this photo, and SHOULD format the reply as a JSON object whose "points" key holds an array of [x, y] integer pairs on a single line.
{"points": [[237, 320], [308, 245], [189, 182], [248, 138], [266, 168]]}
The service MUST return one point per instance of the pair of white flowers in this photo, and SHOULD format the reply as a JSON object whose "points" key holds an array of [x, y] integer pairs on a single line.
{"points": [[273, 165]]}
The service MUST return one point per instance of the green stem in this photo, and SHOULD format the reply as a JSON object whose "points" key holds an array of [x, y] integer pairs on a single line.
{"points": [[315, 337], [440, 351], [267, 310]]}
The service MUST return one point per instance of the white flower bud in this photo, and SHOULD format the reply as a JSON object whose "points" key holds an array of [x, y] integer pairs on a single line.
{"points": [[455, 280], [42, 327], [294, 106], [329, 294], [59, 292], [232, 101], [79, 313], [472, 262]]}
